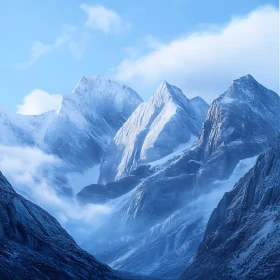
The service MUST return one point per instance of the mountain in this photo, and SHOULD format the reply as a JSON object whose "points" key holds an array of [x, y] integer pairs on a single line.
{"points": [[241, 240], [34, 246], [95, 110], [77, 133], [157, 226], [153, 131]]}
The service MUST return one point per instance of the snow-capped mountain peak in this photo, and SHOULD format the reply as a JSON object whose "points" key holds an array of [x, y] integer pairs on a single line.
{"points": [[246, 89], [154, 130], [169, 93], [98, 88], [80, 129]]}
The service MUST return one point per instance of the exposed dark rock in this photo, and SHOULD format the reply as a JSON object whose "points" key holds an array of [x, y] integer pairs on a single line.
{"points": [[241, 240]]}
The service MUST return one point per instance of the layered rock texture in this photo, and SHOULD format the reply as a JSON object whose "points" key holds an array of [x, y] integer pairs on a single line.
{"points": [[241, 240]]}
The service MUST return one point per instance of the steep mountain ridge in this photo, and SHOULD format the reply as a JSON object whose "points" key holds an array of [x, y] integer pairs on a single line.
{"points": [[34, 246], [241, 240], [153, 131]]}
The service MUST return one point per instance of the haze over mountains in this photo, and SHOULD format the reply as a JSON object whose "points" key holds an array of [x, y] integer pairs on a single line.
{"points": [[160, 167]]}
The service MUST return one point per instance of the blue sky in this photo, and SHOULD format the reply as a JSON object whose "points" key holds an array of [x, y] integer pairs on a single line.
{"points": [[47, 46]]}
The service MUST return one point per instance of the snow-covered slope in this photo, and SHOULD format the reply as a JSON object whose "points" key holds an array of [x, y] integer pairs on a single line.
{"points": [[87, 120], [153, 131], [241, 240], [78, 132], [162, 220]]}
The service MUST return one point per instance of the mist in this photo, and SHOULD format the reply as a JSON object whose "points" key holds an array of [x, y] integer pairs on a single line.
{"points": [[25, 169]]}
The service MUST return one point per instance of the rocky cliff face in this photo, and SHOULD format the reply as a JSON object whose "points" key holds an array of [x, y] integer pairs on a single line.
{"points": [[33, 245], [241, 240]]}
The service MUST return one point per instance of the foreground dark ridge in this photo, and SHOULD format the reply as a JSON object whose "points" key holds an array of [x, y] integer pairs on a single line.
{"points": [[34, 246], [241, 240]]}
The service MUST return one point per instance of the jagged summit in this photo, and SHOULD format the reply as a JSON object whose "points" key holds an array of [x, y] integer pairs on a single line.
{"points": [[155, 128], [97, 84], [166, 92], [79, 130], [98, 93], [94, 111], [247, 89], [245, 79], [245, 118]]}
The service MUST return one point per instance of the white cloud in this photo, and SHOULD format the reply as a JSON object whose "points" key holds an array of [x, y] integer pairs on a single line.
{"points": [[104, 19], [79, 45], [38, 102], [205, 63], [70, 38], [26, 168]]}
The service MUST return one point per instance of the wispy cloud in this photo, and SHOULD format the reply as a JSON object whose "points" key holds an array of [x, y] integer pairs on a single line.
{"points": [[26, 167], [70, 38], [104, 19], [204, 63], [38, 102]]}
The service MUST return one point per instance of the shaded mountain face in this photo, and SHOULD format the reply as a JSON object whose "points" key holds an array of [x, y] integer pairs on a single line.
{"points": [[161, 221], [153, 131], [77, 133], [34, 246], [239, 124], [241, 240]]}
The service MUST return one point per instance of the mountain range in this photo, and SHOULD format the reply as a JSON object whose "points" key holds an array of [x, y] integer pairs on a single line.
{"points": [[159, 223], [77, 132], [166, 168]]}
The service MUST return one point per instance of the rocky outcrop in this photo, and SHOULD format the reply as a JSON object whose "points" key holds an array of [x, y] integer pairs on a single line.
{"points": [[241, 240]]}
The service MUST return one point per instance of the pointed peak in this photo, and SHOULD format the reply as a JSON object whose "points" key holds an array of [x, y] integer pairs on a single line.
{"points": [[245, 80], [166, 93], [167, 90], [246, 89]]}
